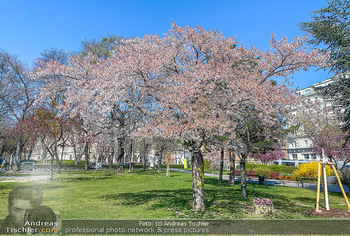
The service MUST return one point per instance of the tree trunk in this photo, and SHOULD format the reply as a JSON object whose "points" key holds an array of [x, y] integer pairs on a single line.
{"points": [[86, 153], [197, 180], [144, 162], [59, 160], [144, 154], [120, 161], [168, 170], [11, 161], [231, 179], [75, 155], [130, 155], [44, 155], [160, 157], [2, 151], [110, 159], [51, 168], [58, 164], [19, 148], [30, 153], [243, 180], [59, 167], [221, 164]]}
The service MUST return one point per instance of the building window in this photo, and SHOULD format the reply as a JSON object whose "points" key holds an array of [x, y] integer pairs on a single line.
{"points": [[306, 143], [295, 143], [306, 156], [307, 91], [313, 156], [295, 156]]}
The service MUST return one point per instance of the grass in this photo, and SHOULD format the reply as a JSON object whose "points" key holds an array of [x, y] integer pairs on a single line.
{"points": [[150, 195]]}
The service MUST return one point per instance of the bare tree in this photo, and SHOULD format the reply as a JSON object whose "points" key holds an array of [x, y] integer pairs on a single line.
{"points": [[162, 146], [16, 96]]}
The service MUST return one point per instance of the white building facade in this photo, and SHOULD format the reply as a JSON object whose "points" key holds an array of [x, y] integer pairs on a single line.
{"points": [[300, 148]]}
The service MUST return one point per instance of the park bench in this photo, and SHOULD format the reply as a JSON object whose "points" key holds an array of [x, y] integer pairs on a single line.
{"points": [[250, 177], [284, 179], [301, 181]]}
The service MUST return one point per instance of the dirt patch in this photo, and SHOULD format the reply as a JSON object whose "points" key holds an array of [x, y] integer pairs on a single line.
{"points": [[332, 213]]}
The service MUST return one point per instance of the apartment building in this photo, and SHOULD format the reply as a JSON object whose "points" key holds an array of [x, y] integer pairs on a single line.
{"points": [[299, 148]]}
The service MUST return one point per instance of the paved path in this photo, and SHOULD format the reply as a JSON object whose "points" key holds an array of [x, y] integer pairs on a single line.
{"points": [[331, 187], [23, 178]]}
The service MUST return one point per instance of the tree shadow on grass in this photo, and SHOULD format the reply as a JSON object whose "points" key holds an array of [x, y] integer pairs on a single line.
{"points": [[214, 182], [222, 201], [336, 194], [81, 179], [159, 199], [306, 200], [177, 201], [234, 202], [219, 204]]}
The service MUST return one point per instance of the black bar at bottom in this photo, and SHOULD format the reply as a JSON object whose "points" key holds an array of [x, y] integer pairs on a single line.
{"points": [[195, 227]]}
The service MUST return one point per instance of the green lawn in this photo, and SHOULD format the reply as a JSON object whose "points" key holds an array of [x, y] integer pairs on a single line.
{"points": [[150, 195]]}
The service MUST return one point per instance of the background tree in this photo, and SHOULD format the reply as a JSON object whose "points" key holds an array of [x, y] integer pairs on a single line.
{"points": [[7, 142], [124, 116], [270, 155], [232, 171], [213, 156], [330, 27], [101, 48], [52, 54], [217, 153], [167, 159], [53, 133], [323, 127], [16, 97], [221, 142], [253, 135], [27, 130], [162, 146]]}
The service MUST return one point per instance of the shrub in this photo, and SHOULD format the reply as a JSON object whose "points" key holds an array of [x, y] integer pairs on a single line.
{"points": [[251, 172], [283, 169], [310, 170], [274, 175], [275, 168], [269, 174]]}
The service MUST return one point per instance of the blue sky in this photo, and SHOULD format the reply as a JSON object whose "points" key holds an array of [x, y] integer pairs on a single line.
{"points": [[27, 27]]}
